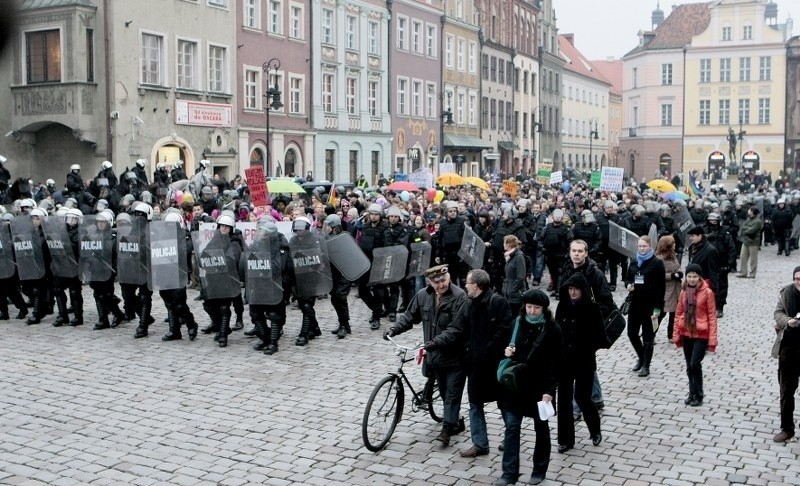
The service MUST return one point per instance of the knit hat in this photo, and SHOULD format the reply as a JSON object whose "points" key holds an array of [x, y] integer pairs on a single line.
{"points": [[536, 297], [695, 268], [794, 272], [697, 230]]}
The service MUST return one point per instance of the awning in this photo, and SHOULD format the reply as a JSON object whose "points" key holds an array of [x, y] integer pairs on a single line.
{"points": [[507, 146], [465, 142]]}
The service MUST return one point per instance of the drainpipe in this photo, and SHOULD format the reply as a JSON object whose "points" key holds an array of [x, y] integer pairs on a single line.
{"points": [[683, 116], [107, 71]]}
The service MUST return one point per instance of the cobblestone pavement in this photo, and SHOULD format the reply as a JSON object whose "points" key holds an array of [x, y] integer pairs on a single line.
{"points": [[99, 407]]}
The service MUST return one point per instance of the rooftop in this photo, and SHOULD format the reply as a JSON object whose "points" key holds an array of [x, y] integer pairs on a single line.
{"points": [[684, 22]]}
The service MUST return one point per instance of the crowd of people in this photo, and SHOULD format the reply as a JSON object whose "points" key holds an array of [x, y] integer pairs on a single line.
{"points": [[136, 232]]}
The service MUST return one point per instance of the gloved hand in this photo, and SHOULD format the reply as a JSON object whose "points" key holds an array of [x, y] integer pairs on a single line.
{"points": [[430, 345], [388, 334], [677, 276]]}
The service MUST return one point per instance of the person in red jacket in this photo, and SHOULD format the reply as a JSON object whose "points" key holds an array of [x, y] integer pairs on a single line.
{"points": [[695, 329]]}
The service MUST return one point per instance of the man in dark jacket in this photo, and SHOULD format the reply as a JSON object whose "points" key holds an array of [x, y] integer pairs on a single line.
{"points": [[441, 307], [555, 239], [703, 254], [720, 238], [487, 331], [373, 232], [451, 232], [782, 218], [787, 325], [509, 224]]}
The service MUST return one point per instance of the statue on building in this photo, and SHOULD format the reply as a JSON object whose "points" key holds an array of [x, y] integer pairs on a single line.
{"points": [[731, 145]]}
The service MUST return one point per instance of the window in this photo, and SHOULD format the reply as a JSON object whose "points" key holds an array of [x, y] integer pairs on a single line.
{"points": [[327, 26], [373, 33], [705, 70], [747, 33], [296, 22], [402, 28], [416, 37], [402, 103], [90, 55], [510, 74], [725, 70], [634, 76], [494, 68], [218, 3], [485, 67], [726, 33], [484, 112], [501, 115], [187, 63], [251, 13], [501, 75], [250, 89], [275, 17], [327, 93], [509, 116], [525, 82], [430, 41], [724, 112], [473, 100], [744, 69], [461, 106], [430, 101], [493, 115], [350, 95], [460, 55], [764, 68], [459, 9], [705, 112], [666, 74], [473, 57], [416, 99], [216, 69], [666, 115], [763, 111], [295, 96], [448, 51], [372, 98], [744, 112], [351, 32], [152, 59]]}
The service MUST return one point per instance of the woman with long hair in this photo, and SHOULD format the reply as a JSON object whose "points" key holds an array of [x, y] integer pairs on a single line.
{"points": [[646, 284], [665, 251]]}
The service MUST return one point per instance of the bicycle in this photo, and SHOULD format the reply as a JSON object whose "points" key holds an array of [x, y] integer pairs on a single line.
{"points": [[385, 405]]}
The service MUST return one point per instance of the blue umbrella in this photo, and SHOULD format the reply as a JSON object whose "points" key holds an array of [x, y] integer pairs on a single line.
{"points": [[674, 196]]}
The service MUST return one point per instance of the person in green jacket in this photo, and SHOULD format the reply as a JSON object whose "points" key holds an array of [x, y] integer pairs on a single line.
{"points": [[751, 240]]}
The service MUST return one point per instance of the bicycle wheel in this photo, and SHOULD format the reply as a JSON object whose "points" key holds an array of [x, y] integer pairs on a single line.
{"points": [[434, 399], [382, 413]]}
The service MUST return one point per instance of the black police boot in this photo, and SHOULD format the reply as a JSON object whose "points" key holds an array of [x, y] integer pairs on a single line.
{"points": [[61, 303], [302, 338], [191, 325], [19, 303], [76, 298], [174, 329], [225, 327], [239, 324], [38, 307], [344, 330], [262, 333], [119, 316], [102, 314], [274, 335], [144, 313]]}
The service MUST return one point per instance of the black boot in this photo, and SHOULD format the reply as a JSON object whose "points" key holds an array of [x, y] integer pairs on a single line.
{"points": [[144, 313], [38, 308], [302, 338], [19, 303], [174, 329], [648, 356], [239, 324], [225, 327], [102, 314], [119, 316], [274, 335], [77, 305], [263, 334], [61, 303], [191, 326], [344, 330]]}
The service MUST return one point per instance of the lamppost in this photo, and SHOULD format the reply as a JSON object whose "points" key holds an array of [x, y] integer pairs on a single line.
{"points": [[446, 117], [740, 135], [592, 137], [273, 96]]}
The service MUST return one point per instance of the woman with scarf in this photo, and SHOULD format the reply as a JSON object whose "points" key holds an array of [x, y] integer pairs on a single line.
{"points": [[695, 329], [536, 342], [514, 281], [646, 283]]}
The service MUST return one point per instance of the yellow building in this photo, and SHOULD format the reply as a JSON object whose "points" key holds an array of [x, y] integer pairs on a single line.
{"points": [[734, 91]]}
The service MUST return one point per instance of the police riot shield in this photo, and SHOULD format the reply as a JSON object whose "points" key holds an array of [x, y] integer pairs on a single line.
{"points": [[622, 240], [63, 261], [419, 259], [6, 252], [27, 249], [312, 269], [683, 223], [796, 227], [96, 249], [653, 234], [133, 255], [168, 265], [347, 256], [472, 249], [263, 279], [389, 264], [219, 271]]}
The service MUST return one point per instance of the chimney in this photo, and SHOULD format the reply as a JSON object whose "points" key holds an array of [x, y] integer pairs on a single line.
{"points": [[570, 38]]}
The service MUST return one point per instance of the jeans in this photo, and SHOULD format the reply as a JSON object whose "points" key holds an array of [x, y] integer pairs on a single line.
{"points": [[597, 395], [694, 350], [541, 451], [538, 267], [451, 387], [477, 426]]}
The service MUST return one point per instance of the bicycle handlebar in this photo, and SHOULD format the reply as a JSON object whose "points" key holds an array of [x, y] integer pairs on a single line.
{"points": [[404, 348]]}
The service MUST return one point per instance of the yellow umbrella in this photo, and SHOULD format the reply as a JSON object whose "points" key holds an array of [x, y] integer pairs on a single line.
{"points": [[450, 179], [284, 186], [477, 182], [662, 185]]}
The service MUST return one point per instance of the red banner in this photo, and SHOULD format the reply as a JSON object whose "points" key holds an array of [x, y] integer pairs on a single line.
{"points": [[257, 186]]}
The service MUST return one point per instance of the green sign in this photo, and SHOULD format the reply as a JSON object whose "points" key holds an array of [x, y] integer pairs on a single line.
{"points": [[596, 178]]}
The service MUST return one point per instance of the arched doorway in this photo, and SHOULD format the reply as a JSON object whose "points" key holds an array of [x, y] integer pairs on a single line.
{"points": [[257, 159], [290, 161], [169, 149], [751, 161], [665, 164], [716, 161]]}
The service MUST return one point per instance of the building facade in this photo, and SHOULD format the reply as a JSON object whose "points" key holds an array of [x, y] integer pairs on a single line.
{"points": [[526, 85], [792, 160], [551, 66], [612, 70]]}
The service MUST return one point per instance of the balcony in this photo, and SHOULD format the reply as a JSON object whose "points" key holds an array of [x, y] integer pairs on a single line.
{"points": [[70, 104]]}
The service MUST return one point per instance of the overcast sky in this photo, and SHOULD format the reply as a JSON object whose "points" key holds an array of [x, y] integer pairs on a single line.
{"points": [[604, 29]]}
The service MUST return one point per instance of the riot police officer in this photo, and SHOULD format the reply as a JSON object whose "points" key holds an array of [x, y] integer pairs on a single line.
{"points": [[341, 286], [309, 329], [175, 299], [177, 173]]}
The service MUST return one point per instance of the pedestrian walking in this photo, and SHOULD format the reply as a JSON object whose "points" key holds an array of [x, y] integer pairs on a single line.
{"points": [[787, 326], [645, 282]]}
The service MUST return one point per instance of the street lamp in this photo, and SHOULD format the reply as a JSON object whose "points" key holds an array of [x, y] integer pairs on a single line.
{"points": [[273, 96], [446, 118], [592, 137]]}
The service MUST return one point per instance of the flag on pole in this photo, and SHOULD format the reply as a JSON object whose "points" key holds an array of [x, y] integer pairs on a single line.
{"points": [[692, 188], [333, 196]]}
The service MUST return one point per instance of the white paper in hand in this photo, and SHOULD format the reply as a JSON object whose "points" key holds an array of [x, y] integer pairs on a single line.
{"points": [[546, 410]]}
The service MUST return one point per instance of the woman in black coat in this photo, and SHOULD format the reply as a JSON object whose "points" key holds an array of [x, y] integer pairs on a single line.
{"points": [[537, 344], [581, 324], [514, 281], [645, 281]]}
